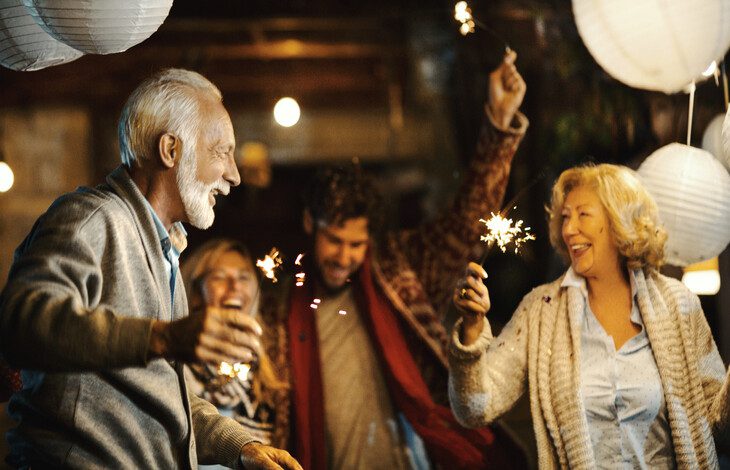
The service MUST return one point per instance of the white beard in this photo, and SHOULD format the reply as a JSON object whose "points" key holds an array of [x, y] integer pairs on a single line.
{"points": [[195, 194]]}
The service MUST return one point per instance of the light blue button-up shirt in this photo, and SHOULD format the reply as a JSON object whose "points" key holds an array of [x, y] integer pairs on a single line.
{"points": [[169, 250], [622, 393]]}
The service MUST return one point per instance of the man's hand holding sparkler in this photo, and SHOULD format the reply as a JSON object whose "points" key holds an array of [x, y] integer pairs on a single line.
{"points": [[213, 336], [506, 91], [471, 298]]}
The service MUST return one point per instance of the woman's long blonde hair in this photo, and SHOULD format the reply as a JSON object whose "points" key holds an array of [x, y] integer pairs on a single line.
{"points": [[195, 268]]}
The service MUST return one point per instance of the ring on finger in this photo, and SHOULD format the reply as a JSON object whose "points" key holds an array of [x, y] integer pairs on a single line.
{"points": [[463, 293]]}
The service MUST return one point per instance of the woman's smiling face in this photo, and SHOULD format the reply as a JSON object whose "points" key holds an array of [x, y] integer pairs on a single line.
{"points": [[586, 233]]}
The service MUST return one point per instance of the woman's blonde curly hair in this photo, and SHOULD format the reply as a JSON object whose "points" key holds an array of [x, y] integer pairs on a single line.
{"points": [[631, 211]]}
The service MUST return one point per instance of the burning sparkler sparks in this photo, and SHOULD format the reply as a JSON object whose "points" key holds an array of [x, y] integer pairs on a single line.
{"points": [[237, 369], [462, 14], [468, 23], [300, 276], [503, 232], [270, 264]]}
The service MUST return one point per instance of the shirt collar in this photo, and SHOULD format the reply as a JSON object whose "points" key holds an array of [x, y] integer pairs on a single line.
{"points": [[175, 239], [573, 279]]}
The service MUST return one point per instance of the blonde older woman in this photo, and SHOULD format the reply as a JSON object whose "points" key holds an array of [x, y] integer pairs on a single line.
{"points": [[619, 361], [221, 274]]}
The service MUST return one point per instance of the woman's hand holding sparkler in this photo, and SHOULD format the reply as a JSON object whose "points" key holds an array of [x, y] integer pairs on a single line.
{"points": [[471, 298], [506, 91], [213, 336]]}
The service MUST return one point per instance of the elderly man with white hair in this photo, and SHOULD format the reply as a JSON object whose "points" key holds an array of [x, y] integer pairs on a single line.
{"points": [[95, 313]]}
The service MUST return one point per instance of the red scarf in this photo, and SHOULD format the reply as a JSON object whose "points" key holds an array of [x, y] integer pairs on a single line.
{"points": [[9, 381], [449, 445]]}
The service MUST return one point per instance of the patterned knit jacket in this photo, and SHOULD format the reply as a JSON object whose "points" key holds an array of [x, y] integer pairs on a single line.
{"points": [[417, 269], [540, 349]]}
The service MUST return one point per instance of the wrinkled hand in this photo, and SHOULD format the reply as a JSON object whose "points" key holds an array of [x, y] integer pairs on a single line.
{"points": [[506, 90], [471, 298], [212, 336], [258, 456]]}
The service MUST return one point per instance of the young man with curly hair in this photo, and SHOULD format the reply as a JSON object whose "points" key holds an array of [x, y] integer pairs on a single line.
{"points": [[366, 360]]}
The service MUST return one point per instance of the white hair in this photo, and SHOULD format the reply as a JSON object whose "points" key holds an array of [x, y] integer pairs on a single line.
{"points": [[169, 101]]}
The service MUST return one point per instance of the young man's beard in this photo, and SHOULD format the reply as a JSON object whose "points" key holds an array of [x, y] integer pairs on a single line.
{"points": [[333, 290]]}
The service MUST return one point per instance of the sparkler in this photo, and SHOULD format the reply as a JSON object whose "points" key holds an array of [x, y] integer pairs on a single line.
{"points": [[270, 264], [501, 230], [300, 276], [504, 232], [237, 369], [240, 370], [464, 15]]}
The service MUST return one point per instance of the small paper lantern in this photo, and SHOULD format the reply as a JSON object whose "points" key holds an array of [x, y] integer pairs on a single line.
{"points": [[661, 46], [25, 46], [692, 190], [712, 138], [726, 141], [99, 26]]}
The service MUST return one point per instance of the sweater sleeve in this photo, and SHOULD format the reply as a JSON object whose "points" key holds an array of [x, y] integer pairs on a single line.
{"points": [[218, 439], [439, 250], [487, 377], [714, 378], [50, 315]]}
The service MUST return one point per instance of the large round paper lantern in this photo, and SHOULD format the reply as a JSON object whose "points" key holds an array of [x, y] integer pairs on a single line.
{"points": [[654, 44], [99, 26], [726, 141], [25, 46], [712, 139], [692, 191]]}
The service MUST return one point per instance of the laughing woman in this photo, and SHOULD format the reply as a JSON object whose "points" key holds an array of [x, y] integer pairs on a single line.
{"points": [[221, 274], [618, 360]]}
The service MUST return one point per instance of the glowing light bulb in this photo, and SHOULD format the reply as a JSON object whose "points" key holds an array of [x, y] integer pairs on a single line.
{"points": [[287, 112], [703, 278], [6, 177]]}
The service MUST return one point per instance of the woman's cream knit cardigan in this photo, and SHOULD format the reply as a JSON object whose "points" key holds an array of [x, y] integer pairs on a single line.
{"points": [[540, 346]]}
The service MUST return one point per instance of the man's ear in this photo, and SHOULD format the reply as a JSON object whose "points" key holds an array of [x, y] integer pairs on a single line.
{"points": [[307, 222], [169, 149]]}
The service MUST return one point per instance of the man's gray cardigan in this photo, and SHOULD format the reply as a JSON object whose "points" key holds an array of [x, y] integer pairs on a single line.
{"points": [[76, 316]]}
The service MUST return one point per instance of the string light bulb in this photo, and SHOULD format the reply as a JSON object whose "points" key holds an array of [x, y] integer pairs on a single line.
{"points": [[6, 176], [287, 112]]}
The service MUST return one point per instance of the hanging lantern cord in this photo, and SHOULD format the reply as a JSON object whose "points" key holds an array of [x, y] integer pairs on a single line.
{"points": [[724, 84], [692, 88]]}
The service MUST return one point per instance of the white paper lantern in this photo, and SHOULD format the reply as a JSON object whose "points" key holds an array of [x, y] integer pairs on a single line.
{"points": [[692, 191], [726, 141], [100, 26], [654, 44], [25, 46], [712, 137]]}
